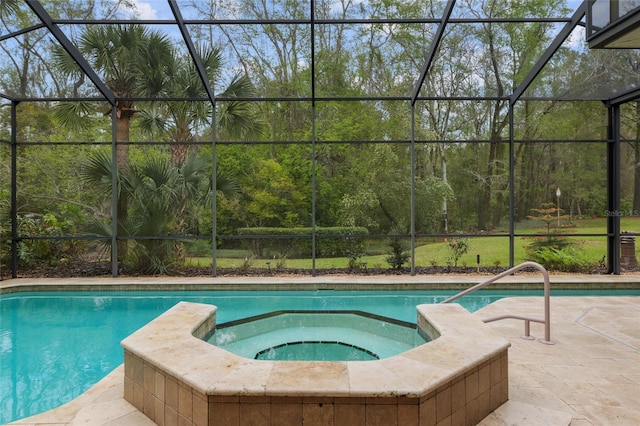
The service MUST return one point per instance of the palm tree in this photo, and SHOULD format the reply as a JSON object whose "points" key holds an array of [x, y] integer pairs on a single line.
{"points": [[160, 195], [131, 61], [177, 119]]}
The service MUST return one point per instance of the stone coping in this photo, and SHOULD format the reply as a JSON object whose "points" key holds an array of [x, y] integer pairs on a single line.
{"points": [[172, 343], [351, 282]]}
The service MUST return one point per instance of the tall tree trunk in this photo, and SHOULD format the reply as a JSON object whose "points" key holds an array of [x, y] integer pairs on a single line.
{"points": [[483, 196], [179, 149], [122, 138], [523, 160], [179, 152], [499, 171], [484, 221], [445, 218]]}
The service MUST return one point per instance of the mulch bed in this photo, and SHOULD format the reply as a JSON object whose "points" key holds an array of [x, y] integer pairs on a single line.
{"points": [[97, 269]]}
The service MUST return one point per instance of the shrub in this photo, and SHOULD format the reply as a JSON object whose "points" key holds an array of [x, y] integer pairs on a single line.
{"points": [[547, 214], [458, 247], [567, 259], [555, 252], [48, 251], [398, 252], [347, 242], [353, 247]]}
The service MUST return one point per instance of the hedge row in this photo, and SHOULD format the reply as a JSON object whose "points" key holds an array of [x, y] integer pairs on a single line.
{"points": [[296, 242]]}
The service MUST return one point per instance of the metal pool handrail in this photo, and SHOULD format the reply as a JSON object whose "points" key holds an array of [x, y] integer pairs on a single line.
{"points": [[527, 320]]}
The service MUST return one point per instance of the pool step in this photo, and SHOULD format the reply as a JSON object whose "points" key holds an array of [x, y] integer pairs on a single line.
{"points": [[522, 414]]}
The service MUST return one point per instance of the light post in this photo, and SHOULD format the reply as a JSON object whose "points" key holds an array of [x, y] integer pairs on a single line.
{"points": [[558, 193]]}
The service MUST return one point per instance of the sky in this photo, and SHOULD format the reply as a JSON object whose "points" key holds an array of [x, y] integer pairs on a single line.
{"points": [[145, 9], [158, 9]]}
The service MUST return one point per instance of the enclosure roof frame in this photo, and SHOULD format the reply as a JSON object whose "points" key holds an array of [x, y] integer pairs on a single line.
{"points": [[435, 44], [175, 9], [549, 52], [52, 25], [77, 56]]}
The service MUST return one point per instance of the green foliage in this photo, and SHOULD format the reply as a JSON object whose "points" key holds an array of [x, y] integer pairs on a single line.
{"points": [[356, 183], [177, 120], [567, 259], [275, 187], [548, 214], [41, 250], [381, 198], [458, 248], [296, 242], [161, 196], [354, 248], [555, 252], [398, 252], [153, 256]]}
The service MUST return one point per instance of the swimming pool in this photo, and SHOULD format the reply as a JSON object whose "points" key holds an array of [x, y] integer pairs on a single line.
{"points": [[54, 346]]}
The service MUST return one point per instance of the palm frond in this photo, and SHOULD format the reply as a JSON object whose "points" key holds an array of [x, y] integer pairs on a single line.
{"points": [[151, 119], [155, 56], [9, 7], [240, 87], [193, 169], [239, 119], [157, 171], [97, 171], [226, 184], [64, 62], [73, 114], [211, 59], [100, 229]]}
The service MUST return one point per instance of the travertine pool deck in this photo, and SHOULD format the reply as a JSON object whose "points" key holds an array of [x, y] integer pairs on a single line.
{"points": [[591, 375]]}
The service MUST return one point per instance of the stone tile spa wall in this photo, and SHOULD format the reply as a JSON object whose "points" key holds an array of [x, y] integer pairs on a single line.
{"points": [[176, 378]]}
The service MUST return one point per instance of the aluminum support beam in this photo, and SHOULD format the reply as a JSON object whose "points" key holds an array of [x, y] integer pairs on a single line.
{"points": [[314, 139], [548, 54], [630, 96], [192, 51], [22, 31], [72, 50], [14, 190], [613, 190], [114, 192], [432, 50], [214, 191], [512, 190], [413, 189]]}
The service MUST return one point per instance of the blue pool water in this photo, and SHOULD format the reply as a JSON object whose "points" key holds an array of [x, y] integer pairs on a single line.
{"points": [[54, 346], [317, 336]]}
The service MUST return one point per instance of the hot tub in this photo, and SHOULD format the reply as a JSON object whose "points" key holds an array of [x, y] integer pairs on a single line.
{"points": [[174, 376], [330, 335]]}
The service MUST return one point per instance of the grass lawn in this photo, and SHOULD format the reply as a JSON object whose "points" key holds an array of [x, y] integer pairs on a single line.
{"points": [[493, 251]]}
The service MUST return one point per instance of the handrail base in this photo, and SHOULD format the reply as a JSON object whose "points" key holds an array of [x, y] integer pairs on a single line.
{"points": [[547, 290]]}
